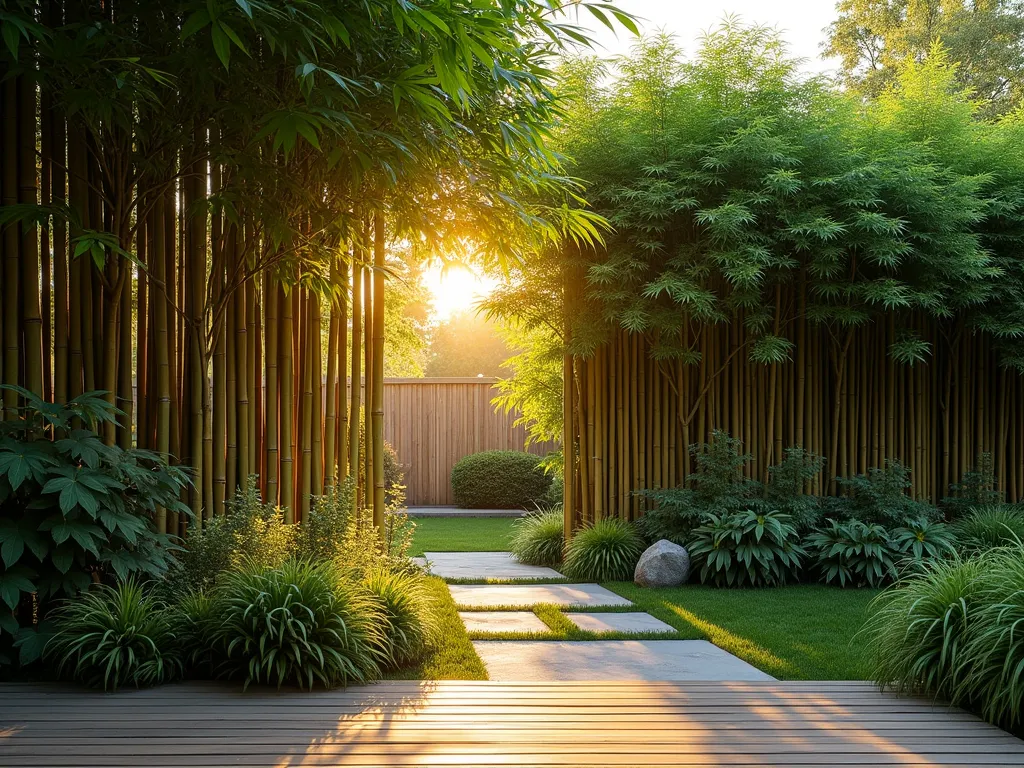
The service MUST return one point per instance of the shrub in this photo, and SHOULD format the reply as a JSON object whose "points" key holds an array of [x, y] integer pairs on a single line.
{"points": [[302, 623], [977, 488], [251, 534], [986, 528], [499, 480], [608, 550], [746, 548], [71, 507], [111, 637], [853, 552], [323, 529], [880, 498], [917, 630], [409, 624], [921, 539], [991, 666], [538, 538], [718, 485]]}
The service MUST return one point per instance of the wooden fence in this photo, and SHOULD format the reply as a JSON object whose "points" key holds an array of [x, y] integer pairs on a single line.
{"points": [[432, 423]]}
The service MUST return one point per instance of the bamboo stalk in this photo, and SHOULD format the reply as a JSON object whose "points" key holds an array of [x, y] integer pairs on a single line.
{"points": [[378, 372]]}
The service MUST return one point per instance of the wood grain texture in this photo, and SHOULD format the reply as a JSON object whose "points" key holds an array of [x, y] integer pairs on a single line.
{"points": [[207, 725], [432, 423]]}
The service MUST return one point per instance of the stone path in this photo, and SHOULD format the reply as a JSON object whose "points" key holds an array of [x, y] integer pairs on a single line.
{"points": [[536, 660], [525, 595], [552, 660], [619, 622], [484, 565]]}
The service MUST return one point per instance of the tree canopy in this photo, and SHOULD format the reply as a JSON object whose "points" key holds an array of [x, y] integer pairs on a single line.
{"points": [[874, 38]]}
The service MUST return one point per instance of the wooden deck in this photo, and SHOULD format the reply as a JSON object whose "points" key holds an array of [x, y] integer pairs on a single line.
{"points": [[204, 725]]}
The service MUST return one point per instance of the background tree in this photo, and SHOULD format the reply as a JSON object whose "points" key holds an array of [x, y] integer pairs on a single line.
{"points": [[466, 344], [872, 38]]}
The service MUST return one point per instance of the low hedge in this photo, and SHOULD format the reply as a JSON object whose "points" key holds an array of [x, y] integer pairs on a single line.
{"points": [[499, 480]]}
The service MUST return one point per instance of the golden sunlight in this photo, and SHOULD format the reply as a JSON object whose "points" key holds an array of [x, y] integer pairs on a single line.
{"points": [[455, 288]]}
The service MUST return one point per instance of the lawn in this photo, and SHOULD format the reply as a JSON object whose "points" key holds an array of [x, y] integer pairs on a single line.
{"points": [[805, 632], [461, 534], [451, 655]]}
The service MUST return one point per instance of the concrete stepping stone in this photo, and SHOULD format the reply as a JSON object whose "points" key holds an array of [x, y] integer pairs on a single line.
{"points": [[508, 660], [619, 622], [522, 595], [502, 621], [484, 565]]}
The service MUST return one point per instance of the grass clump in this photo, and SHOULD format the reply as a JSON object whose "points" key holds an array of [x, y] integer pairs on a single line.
{"points": [[113, 637], [538, 539], [303, 623], [408, 614], [991, 673], [608, 550], [985, 528], [449, 654], [917, 630]]}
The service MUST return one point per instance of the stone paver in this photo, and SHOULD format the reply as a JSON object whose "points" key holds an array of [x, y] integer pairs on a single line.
{"points": [[484, 565], [498, 595], [502, 621], [619, 622], [508, 660]]}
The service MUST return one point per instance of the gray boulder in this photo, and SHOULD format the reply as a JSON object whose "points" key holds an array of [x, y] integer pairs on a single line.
{"points": [[663, 564]]}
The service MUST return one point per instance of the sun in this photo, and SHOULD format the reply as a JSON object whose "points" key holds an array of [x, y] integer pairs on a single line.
{"points": [[455, 289]]}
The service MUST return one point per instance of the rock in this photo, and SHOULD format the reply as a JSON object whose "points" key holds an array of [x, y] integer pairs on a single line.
{"points": [[663, 564]]}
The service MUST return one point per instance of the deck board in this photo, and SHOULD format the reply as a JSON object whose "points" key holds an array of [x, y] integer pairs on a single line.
{"points": [[207, 725]]}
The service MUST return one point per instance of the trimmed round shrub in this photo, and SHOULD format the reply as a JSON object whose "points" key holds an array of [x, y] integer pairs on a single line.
{"points": [[302, 623], [537, 539], [918, 627], [608, 550], [746, 549], [409, 611], [111, 637], [990, 527], [499, 480]]}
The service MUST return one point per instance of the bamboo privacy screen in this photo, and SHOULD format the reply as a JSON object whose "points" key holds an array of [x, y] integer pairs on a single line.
{"points": [[211, 300], [631, 418], [432, 423]]}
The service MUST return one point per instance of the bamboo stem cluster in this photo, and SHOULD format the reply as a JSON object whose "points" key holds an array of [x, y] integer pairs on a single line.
{"points": [[630, 419], [210, 340]]}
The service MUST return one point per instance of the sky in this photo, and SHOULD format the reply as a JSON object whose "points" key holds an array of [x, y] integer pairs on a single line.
{"points": [[801, 21]]}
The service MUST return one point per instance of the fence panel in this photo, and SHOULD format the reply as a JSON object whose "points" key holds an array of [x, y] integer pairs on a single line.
{"points": [[432, 423]]}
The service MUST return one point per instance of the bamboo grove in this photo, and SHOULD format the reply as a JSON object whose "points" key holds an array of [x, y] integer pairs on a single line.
{"points": [[793, 267], [199, 202]]}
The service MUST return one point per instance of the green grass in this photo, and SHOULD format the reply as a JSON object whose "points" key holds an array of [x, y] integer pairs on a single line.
{"points": [[461, 534], [451, 656], [805, 632]]}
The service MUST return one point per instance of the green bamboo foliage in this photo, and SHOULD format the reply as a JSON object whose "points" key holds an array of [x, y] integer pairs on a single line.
{"points": [[171, 240]]}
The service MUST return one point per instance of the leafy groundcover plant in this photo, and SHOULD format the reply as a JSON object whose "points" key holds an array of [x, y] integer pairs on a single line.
{"points": [[608, 550], [746, 548], [537, 539], [72, 507], [853, 553], [112, 637], [303, 624]]}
